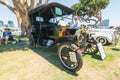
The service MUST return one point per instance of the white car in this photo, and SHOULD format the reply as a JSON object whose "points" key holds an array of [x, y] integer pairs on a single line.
{"points": [[16, 33], [104, 36]]}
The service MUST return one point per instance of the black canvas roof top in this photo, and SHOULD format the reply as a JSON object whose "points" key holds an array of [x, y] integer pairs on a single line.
{"points": [[45, 8]]}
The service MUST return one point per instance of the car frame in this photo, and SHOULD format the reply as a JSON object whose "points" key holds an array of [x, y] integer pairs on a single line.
{"points": [[47, 34], [101, 34]]}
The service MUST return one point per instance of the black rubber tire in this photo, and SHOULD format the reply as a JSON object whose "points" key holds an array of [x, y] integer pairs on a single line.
{"points": [[92, 47], [64, 56], [102, 40]]}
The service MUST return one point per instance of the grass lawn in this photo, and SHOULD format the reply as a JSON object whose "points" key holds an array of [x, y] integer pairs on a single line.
{"points": [[18, 62]]}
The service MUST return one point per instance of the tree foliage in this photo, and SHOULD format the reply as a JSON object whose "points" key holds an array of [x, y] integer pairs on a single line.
{"points": [[90, 8]]}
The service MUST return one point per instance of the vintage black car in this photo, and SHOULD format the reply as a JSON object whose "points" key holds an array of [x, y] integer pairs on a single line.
{"points": [[46, 32]]}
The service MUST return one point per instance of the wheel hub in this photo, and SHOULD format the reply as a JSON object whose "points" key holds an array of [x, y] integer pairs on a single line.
{"points": [[101, 40], [89, 45]]}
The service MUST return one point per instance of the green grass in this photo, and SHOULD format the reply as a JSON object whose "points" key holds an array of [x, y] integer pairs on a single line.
{"points": [[21, 63]]}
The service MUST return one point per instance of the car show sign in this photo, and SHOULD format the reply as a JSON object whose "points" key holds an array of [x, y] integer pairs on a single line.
{"points": [[101, 50]]}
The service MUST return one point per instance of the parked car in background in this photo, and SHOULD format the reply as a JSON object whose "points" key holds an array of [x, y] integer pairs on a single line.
{"points": [[104, 36], [16, 33]]}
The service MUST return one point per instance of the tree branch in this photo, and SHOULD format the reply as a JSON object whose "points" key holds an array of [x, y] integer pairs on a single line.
{"points": [[18, 5], [30, 4], [40, 1], [46, 1], [5, 3]]}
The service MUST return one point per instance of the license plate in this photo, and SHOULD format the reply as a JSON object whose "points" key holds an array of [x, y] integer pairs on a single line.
{"points": [[72, 56]]}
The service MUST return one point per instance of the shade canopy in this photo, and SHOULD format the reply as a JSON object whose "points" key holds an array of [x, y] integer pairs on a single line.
{"points": [[51, 10]]}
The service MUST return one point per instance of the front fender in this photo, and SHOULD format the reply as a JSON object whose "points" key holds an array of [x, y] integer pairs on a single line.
{"points": [[66, 39], [63, 40]]}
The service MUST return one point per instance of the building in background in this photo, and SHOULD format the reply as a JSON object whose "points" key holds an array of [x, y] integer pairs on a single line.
{"points": [[10, 23], [15, 30], [1, 23]]}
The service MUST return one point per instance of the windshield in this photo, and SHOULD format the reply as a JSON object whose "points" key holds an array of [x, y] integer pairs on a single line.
{"points": [[50, 13], [66, 18]]}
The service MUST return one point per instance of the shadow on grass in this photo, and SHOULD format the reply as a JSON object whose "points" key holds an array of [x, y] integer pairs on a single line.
{"points": [[50, 54], [96, 56], [12, 47], [108, 44]]}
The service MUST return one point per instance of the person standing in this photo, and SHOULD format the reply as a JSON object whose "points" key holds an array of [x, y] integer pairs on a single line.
{"points": [[76, 23], [61, 22]]}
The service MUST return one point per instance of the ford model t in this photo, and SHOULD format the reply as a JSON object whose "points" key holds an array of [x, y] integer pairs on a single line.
{"points": [[46, 32]]}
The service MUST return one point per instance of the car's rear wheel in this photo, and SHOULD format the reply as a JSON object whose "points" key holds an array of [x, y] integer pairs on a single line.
{"points": [[70, 57], [102, 40], [31, 40]]}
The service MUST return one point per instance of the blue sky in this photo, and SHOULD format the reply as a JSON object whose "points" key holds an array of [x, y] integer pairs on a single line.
{"points": [[111, 12]]}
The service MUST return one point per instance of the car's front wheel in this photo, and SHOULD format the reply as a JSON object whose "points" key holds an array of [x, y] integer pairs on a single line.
{"points": [[70, 57], [92, 47]]}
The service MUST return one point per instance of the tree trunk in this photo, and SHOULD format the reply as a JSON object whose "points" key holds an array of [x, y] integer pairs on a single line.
{"points": [[18, 19], [99, 17], [23, 21], [99, 20], [25, 24]]}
